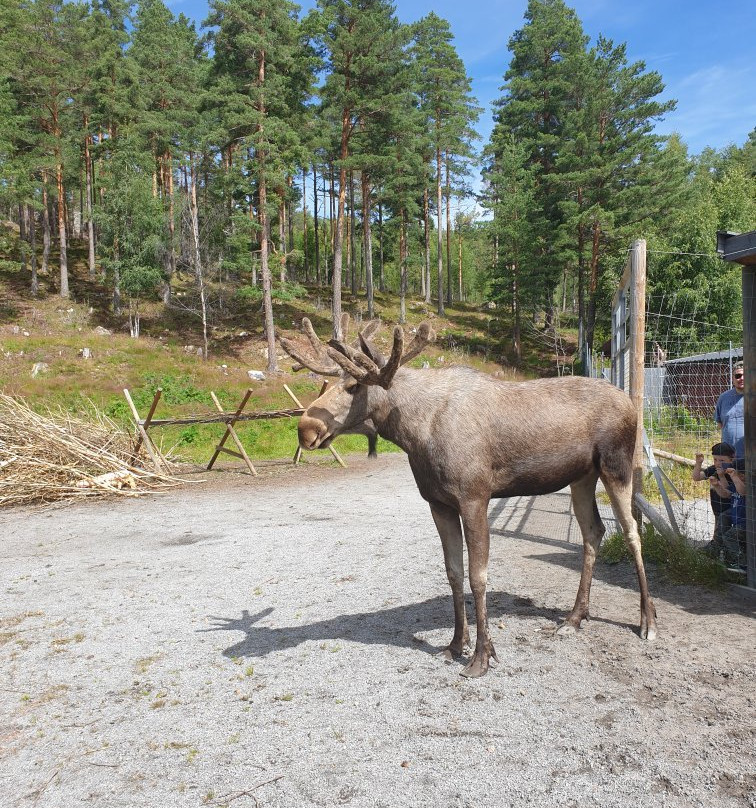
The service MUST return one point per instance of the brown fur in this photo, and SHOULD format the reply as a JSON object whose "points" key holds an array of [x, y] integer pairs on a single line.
{"points": [[470, 437]]}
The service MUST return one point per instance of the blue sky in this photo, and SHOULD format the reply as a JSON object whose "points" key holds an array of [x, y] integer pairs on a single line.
{"points": [[703, 51]]}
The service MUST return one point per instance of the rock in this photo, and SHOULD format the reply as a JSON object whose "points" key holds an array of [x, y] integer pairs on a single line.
{"points": [[103, 332], [39, 367], [244, 333], [256, 375], [85, 353], [188, 348]]}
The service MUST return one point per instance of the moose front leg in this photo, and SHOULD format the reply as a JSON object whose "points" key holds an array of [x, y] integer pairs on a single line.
{"points": [[450, 531], [475, 522]]}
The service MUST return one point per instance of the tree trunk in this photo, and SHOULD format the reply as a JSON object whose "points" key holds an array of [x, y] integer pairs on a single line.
{"points": [[33, 243], [270, 333], [339, 236], [270, 329], [439, 235], [403, 266], [196, 255], [426, 241], [352, 250], [318, 278], [171, 267], [516, 314], [449, 284], [64, 291], [116, 278], [381, 268], [22, 235], [88, 203], [459, 257], [290, 231], [46, 239], [367, 243], [282, 237], [590, 325], [304, 226]]}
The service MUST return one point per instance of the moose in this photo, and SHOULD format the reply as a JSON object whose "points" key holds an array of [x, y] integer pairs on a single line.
{"points": [[470, 437]]}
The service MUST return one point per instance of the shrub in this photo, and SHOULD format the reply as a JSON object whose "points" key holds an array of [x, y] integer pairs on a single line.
{"points": [[682, 563]]}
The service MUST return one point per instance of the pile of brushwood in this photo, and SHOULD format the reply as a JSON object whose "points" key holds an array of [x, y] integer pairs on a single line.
{"points": [[53, 456]]}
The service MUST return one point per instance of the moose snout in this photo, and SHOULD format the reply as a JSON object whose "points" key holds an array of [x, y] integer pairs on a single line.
{"points": [[312, 431]]}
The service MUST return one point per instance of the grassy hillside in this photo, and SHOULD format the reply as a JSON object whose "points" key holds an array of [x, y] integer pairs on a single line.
{"points": [[54, 334]]}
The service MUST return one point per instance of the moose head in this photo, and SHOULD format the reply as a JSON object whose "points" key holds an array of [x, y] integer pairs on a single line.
{"points": [[349, 404]]}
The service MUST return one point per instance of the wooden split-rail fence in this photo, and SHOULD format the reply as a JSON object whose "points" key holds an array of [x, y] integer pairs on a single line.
{"points": [[230, 419]]}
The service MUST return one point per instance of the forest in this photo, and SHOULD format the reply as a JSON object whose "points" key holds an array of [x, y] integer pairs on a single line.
{"points": [[272, 153]]}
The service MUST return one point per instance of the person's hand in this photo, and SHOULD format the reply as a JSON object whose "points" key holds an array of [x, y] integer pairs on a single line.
{"points": [[699, 459]]}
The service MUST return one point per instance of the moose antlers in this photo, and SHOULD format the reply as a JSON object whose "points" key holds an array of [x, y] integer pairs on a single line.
{"points": [[365, 364]]}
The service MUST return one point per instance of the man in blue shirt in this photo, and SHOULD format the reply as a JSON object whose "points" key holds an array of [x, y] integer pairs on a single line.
{"points": [[729, 412]]}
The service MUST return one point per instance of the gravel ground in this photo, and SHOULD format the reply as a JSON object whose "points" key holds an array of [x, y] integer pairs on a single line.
{"points": [[271, 642]]}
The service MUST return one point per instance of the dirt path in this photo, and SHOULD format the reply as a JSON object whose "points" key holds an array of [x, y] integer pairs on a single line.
{"points": [[271, 642]]}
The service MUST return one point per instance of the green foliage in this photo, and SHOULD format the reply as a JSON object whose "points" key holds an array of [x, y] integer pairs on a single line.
{"points": [[680, 562], [285, 292], [249, 294], [674, 417]]}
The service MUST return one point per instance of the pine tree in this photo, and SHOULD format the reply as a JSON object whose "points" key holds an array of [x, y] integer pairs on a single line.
{"points": [[352, 36], [45, 75], [259, 88], [444, 92]]}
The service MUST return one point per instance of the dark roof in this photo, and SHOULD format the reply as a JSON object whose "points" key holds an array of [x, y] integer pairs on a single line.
{"points": [[735, 353]]}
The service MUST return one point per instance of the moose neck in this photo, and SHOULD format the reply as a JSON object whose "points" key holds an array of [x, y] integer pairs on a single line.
{"points": [[403, 413]]}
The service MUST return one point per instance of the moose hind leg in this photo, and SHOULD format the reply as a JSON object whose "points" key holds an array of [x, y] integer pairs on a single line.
{"points": [[621, 498], [592, 530], [450, 531]]}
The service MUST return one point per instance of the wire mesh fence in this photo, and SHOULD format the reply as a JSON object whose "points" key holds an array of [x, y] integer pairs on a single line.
{"points": [[689, 362]]}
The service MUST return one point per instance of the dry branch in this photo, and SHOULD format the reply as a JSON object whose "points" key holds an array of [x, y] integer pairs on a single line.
{"points": [[56, 456]]}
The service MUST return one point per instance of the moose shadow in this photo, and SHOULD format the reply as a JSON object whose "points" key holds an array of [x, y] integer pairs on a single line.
{"points": [[396, 626]]}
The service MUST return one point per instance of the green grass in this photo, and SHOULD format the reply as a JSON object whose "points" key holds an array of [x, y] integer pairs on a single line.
{"points": [[680, 562]]}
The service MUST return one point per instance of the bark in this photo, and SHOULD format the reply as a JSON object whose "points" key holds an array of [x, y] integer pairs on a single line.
{"points": [[403, 267], [367, 244], [171, 268], [352, 250], [381, 267], [46, 239], [439, 235], [459, 259], [196, 255], [22, 235], [339, 235], [426, 241], [64, 291], [88, 203], [33, 258], [318, 278], [449, 284], [304, 226]]}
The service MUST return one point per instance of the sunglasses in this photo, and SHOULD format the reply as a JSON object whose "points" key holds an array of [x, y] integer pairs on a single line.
{"points": [[737, 375]]}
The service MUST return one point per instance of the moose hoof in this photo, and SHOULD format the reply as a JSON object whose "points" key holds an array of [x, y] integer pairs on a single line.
{"points": [[450, 653], [566, 630], [480, 664], [648, 633]]}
